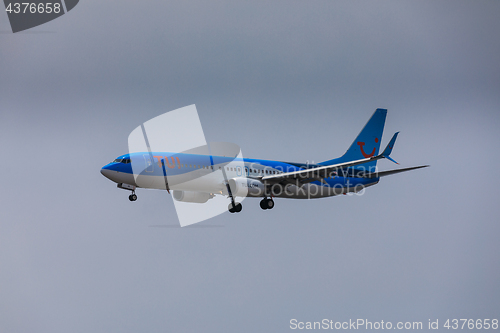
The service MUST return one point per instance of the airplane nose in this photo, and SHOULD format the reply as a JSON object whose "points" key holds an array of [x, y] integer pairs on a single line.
{"points": [[106, 172], [113, 172]]}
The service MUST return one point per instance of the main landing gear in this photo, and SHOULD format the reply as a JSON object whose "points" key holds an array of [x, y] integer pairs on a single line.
{"points": [[267, 203], [236, 209], [264, 204], [132, 197]]}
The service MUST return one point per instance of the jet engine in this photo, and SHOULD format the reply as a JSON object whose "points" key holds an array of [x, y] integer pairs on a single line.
{"points": [[192, 196], [243, 187]]}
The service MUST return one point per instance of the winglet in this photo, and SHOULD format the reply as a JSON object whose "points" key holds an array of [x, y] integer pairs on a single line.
{"points": [[388, 149]]}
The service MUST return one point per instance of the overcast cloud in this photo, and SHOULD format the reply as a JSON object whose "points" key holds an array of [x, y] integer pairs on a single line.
{"points": [[285, 80]]}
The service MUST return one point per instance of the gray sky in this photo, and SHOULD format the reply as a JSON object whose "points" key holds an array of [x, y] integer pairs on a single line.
{"points": [[285, 80]]}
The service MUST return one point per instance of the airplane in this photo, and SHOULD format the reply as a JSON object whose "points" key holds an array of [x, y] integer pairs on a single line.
{"points": [[196, 178]]}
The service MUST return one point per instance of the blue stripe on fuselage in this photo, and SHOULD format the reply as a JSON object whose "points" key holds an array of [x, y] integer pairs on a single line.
{"points": [[177, 164]]}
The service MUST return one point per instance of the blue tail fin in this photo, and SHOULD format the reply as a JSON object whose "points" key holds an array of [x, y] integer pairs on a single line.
{"points": [[366, 144]]}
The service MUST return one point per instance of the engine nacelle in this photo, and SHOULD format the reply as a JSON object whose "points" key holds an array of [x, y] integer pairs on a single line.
{"points": [[191, 196], [242, 187]]}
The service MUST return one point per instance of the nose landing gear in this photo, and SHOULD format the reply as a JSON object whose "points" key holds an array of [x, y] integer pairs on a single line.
{"points": [[267, 203], [128, 187]]}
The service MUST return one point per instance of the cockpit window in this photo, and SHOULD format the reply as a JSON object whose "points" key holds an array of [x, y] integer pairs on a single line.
{"points": [[122, 160]]}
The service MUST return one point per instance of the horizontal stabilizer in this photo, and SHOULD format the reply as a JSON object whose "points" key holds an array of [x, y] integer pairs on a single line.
{"points": [[391, 172]]}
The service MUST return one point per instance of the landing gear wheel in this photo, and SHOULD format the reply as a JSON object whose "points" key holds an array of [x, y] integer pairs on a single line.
{"points": [[270, 203], [132, 197], [237, 208], [267, 203], [263, 204]]}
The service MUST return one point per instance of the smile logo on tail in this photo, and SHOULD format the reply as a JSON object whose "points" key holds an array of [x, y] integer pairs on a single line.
{"points": [[361, 144]]}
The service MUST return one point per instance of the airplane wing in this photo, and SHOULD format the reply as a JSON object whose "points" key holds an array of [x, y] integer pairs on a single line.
{"points": [[318, 174], [390, 172], [315, 174]]}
